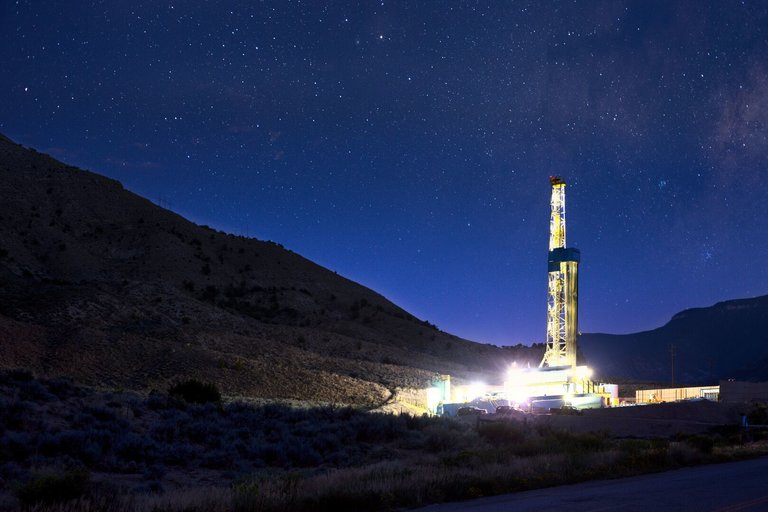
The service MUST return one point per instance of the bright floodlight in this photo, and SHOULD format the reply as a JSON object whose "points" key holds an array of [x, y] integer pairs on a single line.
{"points": [[476, 390], [433, 399]]}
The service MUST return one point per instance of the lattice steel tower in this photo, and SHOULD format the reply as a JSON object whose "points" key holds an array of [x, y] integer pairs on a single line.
{"points": [[563, 304]]}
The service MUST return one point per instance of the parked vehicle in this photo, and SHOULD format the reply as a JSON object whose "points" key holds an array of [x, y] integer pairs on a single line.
{"points": [[471, 411], [567, 409]]}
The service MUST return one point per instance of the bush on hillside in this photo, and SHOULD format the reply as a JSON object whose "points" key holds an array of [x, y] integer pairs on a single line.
{"points": [[195, 392], [54, 488]]}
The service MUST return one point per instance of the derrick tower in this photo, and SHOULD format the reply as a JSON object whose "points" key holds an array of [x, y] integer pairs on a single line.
{"points": [[563, 276]]}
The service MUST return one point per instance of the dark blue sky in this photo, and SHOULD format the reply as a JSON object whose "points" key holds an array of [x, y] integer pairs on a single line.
{"points": [[408, 146]]}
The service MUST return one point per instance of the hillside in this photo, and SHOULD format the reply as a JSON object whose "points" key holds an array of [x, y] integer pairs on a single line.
{"points": [[107, 287], [724, 341]]}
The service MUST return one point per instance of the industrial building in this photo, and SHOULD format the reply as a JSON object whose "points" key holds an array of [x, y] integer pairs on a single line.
{"points": [[653, 396], [728, 391]]}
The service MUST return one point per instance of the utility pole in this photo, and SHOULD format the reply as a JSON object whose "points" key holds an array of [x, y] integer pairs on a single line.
{"points": [[672, 361]]}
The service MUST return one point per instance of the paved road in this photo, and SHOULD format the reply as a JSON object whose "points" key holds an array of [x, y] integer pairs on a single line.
{"points": [[731, 487]]}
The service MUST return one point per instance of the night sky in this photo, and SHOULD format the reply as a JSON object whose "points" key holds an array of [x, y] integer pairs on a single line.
{"points": [[408, 147]]}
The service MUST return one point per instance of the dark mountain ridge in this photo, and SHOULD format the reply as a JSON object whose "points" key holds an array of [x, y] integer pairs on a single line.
{"points": [[723, 341], [103, 285]]}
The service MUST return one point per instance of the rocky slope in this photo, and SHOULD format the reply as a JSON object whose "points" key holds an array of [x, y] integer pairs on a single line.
{"points": [[103, 285]]}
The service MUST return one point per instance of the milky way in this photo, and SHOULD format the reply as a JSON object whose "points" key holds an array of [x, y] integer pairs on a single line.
{"points": [[408, 147]]}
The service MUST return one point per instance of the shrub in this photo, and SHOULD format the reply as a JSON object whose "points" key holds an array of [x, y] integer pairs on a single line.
{"points": [[204, 431], [62, 387], [100, 414], [195, 392], [177, 454], [217, 459], [683, 454], [165, 431], [704, 444], [582, 443], [15, 446], [35, 391], [210, 293], [440, 438], [62, 443], [501, 432], [54, 488], [21, 374], [157, 401], [14, 414], [133, 447], [758, 414]]}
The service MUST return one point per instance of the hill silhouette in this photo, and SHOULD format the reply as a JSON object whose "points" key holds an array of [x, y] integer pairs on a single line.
{"points": [[725, 341], [102, 285]]}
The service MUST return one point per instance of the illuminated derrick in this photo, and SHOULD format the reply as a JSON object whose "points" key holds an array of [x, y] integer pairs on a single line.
{"points": [[563, 277], [557, 214]]}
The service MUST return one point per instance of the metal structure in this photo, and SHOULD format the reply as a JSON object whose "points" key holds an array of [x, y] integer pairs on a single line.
{"points": [[563, 276]]}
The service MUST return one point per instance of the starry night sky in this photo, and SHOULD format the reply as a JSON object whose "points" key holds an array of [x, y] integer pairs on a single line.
{"points": [[407, 145]]}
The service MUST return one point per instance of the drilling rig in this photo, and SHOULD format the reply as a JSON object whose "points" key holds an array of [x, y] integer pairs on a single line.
{"points": [[563, 278], [557, 383]]}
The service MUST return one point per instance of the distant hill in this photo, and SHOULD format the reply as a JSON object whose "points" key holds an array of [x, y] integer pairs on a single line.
{"points": [[101, 284], [727, 340]]}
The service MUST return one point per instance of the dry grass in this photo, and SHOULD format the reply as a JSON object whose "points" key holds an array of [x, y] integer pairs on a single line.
{"points": [[157, 453], [392, 485]]}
